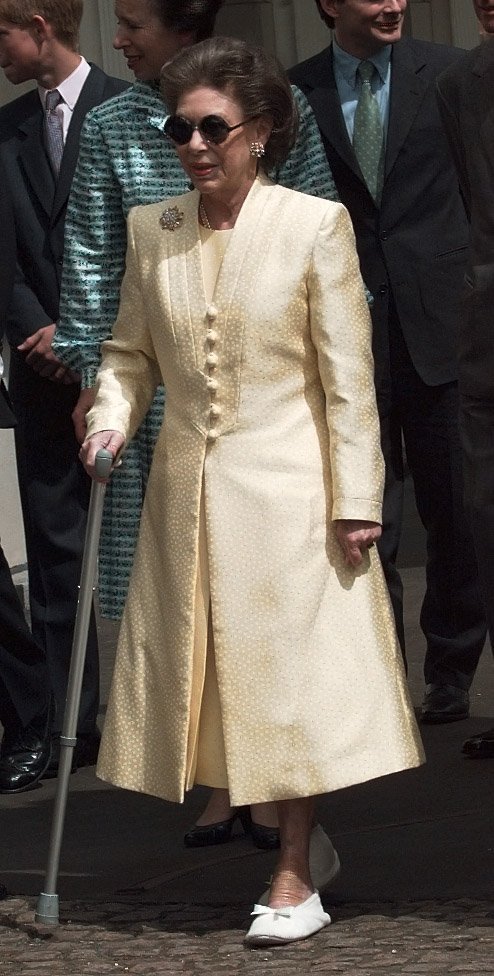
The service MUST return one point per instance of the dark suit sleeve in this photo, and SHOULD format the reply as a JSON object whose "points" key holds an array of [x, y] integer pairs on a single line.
{"points": [[25, 314], [7, 262], [451, 126]]}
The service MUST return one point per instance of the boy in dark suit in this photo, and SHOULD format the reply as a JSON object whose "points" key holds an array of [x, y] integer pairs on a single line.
{"points": [[465, 101], [24, 694], [39, 139], [373, 94]]}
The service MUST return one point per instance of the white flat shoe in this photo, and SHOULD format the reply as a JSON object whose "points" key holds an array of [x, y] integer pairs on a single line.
{"points": [[324, 863], [276, 926]]}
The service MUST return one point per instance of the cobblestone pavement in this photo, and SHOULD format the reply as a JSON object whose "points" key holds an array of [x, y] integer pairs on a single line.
{"points": [[140, 936]]}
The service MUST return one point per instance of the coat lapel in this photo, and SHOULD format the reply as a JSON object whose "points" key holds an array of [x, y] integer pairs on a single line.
{"points": [[325, 103], [92, 94], [183, 253], [408, 88], [33, 159]]}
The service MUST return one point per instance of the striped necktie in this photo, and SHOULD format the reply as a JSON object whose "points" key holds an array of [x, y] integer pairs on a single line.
{"points": [[368, 132], [54, 130]]}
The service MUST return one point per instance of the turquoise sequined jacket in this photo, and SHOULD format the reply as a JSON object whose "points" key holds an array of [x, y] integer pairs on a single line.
{"points": [[125, 161]]}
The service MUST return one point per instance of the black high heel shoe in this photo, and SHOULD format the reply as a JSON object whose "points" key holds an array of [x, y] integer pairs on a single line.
{"points": [[209, 835], [266, 838]]}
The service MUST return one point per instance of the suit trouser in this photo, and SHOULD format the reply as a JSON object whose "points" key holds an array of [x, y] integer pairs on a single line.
{"points": [[477, 437], [425, 420], [23, 675], [54, 491]]}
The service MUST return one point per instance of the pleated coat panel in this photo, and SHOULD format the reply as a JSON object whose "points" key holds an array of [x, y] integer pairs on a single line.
{"points": [[271, 413]]}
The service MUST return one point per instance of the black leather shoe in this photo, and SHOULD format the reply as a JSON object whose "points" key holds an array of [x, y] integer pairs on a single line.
{"points": [[444, 703], [85, 753], [266, 838], [217, 833], [26, 755], [480, 746]]}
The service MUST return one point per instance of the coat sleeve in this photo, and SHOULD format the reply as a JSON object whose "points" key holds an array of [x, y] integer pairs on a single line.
{"points": [[341, 333], [307, 168], [129, 373], [25, 313], [94, 256], [453, 132]]}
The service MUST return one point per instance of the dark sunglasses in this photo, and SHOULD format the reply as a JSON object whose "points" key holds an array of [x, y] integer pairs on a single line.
{"points": [[212, 129]]}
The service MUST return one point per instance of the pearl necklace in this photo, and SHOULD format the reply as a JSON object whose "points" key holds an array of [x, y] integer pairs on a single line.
{"points": [[204, 217]]}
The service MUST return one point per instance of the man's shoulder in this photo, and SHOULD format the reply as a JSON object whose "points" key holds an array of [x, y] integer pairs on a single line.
{"points": [[112, 86], [19, 110], [427, 53], [479, 60], [307, 73]]}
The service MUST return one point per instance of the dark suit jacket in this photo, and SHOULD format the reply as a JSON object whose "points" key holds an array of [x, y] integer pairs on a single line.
{"points": [[414, 245], [7, 269], [467, 107], [40, 206]]}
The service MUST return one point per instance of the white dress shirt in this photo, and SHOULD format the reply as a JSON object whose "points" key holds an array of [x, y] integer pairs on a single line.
{"points": [[70, 89]]}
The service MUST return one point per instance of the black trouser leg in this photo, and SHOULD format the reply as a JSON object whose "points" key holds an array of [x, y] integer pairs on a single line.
{"points": [[389, 542], [54, 494], [23, 675], [477, 438], [452, 618]]}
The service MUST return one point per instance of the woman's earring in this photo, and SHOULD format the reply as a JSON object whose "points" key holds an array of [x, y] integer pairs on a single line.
{"points": [[257, 149]]}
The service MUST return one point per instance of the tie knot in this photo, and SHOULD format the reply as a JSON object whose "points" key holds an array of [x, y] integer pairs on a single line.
{"points": [[53, 99], [366, 71]]}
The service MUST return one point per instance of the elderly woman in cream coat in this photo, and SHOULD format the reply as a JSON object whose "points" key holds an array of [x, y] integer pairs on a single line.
{"points": [[257, 650]]}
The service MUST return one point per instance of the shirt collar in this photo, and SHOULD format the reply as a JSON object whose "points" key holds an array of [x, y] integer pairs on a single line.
{"points": [[347, 64], [71, 87]]}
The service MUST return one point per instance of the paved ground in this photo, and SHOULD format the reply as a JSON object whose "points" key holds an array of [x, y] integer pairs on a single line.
{"points": [[416, 893]]}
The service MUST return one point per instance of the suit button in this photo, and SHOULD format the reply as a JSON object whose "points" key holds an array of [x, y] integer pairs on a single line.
{"points": [[212, 359], [383, 235], [212, 384], [211, 312], [382, 290], [212, 336], [212, 435], [214, 410]]}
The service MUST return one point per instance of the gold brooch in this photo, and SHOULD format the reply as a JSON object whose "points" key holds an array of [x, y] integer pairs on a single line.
{"points": [[171, 218]]}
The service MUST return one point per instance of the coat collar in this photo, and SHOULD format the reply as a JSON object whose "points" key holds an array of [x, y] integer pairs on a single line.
{"points": [[484, 60], [408, 87], [184, 251], [32, 157]]}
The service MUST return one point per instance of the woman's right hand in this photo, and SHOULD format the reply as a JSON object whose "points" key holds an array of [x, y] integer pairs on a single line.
{"points": [[112, 440]]}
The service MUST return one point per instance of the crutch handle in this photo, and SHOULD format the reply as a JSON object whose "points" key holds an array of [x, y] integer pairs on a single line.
{"points": [[103, 463]]}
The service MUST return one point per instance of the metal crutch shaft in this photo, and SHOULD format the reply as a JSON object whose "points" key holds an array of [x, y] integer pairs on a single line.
{"points": [[47, 905]]}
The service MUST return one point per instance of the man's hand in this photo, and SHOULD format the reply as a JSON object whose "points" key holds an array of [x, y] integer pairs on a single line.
{"points": [[81, 409], [355, 537], [41, 358]]}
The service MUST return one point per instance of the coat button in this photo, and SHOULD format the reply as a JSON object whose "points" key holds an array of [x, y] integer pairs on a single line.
{"points": [[212, 384], [212, 359], [212, 336], [214, 410], [212, 434], [211, 312]]}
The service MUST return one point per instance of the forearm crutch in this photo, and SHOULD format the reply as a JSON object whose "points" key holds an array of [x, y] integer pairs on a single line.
{"points": [[47, 904]]}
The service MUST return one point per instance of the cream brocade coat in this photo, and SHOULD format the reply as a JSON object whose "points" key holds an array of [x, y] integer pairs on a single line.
{"points": [[271, 412]]}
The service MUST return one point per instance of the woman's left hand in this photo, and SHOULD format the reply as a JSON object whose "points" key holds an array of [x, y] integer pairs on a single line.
{"points": [[355, 537]]}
